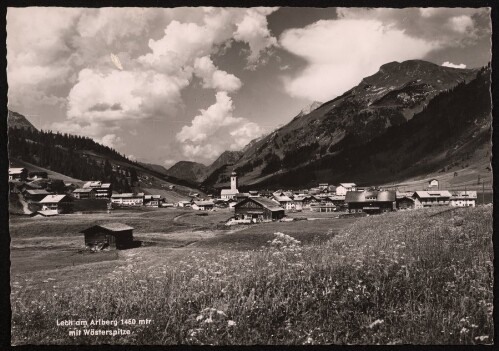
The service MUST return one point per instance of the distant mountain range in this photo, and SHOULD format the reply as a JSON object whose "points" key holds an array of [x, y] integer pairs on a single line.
{"points": [[198, 172], [395, 124], [408, 120]]}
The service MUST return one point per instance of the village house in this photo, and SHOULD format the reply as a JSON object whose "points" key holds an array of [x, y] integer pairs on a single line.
{"points": [[301, 201], [433, 184], [343, 188], [44, 213], [297, 203], [101, 189], [59, 203], [465, 198], [84, 193], [337, 200], [38, 175], [370, 201], [323, 186], [110, 235], [314, 191], [18, 173], [127, 199], [284, 201], [265, 193], [258, 209], [184, 204], [331, 189], [36, 184], [202, 205], [35, 194], [231, 193], [153, 200], [322, 207], [431, 198]]}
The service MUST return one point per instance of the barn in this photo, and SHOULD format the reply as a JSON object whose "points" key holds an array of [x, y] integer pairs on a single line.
{"points": [[258, 209], [110, 235]]}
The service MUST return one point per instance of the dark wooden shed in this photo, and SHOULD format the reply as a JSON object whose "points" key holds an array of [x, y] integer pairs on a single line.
{"points": [[110, 235]]}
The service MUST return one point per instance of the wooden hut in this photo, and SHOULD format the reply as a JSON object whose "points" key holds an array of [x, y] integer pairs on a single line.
{"points": [[109, 235]]}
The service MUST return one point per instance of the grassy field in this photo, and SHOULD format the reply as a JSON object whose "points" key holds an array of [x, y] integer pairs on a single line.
{"points": [[422, 277]]}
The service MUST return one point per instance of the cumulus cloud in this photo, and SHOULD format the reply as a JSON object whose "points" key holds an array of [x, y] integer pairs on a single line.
{"points": [[254, 31], [449, 27], [213, 77], [461, 24], [111, 140], [369, 44], [453, 65], [215, 130], [62, 56], [123, 95]]}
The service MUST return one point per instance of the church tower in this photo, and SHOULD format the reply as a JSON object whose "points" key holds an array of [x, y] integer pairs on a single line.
{"points": [[233, 181]]}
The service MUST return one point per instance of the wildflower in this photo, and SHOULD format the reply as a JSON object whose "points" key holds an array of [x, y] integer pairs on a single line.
{"points": [[376, 323], [464, 330], [200, 317], [208, 320], [231, 323], [482, 338]]}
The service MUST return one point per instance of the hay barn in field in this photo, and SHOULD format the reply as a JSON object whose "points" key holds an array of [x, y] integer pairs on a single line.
{"points": [[110, 235]]}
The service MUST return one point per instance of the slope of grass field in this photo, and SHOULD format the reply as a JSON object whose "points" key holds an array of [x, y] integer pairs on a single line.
{"points": [[422, 277]]}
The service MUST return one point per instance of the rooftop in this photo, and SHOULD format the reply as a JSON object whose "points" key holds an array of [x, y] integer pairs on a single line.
{"points": [[52, 199], [83, 190], [229, 192], [432, 194], [113, 227], [468, 194], [266, 203]]}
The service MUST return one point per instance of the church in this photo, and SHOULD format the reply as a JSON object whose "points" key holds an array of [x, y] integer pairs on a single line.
{"points": [[228, 194]]}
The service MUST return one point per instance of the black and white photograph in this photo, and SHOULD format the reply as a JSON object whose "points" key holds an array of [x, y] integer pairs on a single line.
{"points": [[250, 175]]}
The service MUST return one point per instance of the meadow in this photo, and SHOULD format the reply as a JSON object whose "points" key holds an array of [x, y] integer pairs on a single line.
{"points": [[415, 277]]}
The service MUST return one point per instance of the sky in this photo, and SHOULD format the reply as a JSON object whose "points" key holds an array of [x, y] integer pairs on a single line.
{"points": [[164, 85]]}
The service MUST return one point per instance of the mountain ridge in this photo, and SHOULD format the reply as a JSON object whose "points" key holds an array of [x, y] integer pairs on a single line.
{"points": [[390, 97]]}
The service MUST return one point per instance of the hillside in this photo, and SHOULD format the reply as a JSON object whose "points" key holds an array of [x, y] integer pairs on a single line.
{"points": [[16, 120], [189, 170], [404, 121], [76, 159]]}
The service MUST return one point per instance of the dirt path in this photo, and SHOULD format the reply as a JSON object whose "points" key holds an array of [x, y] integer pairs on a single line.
{"points": [[176, 218]]}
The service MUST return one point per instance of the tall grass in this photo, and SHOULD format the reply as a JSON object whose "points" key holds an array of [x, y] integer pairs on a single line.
{"points": [[390, 279]]}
